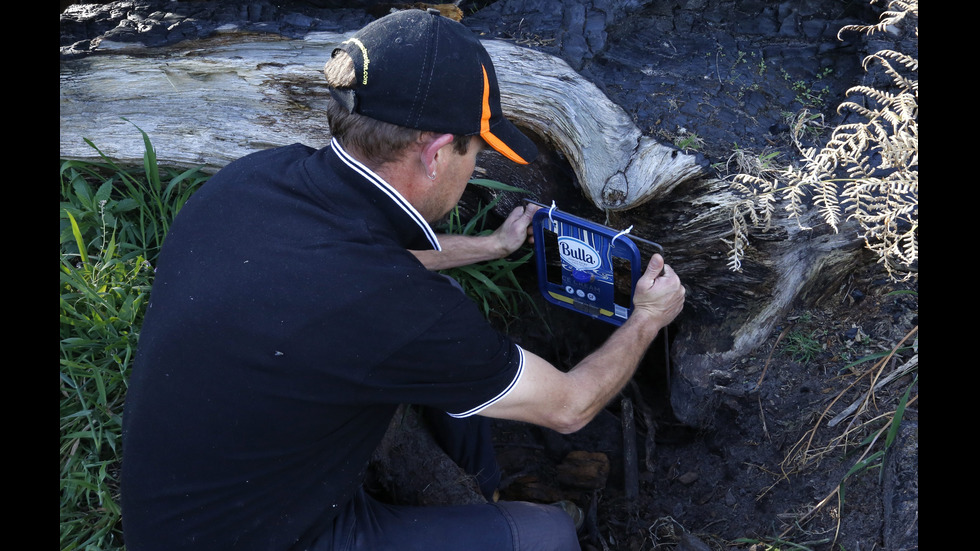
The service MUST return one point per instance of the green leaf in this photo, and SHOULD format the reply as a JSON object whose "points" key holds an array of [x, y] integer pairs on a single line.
{"points": [[479, 276], [78, 238], [494, 184], [150, 166], [83, 193], [899, 414], [103, 194]]}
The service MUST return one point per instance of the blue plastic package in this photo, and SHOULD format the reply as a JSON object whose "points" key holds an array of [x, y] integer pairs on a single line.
{"points": [[586, 267]]}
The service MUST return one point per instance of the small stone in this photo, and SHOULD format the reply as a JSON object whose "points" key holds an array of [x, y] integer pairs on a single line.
{"points": [[688, 478], [585, 470], [689, 542], [531, 488]]}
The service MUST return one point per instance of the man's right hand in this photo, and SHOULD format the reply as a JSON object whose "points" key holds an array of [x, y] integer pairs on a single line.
{"points": [[659, 294], [567, 401]]}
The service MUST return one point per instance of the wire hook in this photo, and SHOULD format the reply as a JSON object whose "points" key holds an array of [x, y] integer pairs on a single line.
{"points": [[618, 235]]}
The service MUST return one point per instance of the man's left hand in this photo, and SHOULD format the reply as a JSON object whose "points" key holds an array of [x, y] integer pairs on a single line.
{"points": [[515, 230]]}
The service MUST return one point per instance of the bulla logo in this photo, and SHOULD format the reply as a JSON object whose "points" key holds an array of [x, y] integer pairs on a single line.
{"points": [[578, 253]]}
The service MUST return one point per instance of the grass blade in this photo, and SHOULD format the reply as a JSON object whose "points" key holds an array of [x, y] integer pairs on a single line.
{"points": [[78, 237]]}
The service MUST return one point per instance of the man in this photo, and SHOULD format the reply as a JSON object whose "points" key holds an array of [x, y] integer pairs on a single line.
{"points": [[289, 318]]}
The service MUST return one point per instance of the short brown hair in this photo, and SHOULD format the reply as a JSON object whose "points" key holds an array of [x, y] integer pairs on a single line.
{"points": [[379, 141]]}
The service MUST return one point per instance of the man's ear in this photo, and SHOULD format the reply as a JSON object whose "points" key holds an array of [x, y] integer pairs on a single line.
{"points": [[432, 144]]}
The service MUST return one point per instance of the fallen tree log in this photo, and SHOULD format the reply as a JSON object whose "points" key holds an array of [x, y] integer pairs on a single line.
{"points": [[410, 468], [207, 102]]}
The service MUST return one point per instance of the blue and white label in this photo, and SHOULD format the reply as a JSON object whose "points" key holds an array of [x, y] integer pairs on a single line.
{"points": [[579, 254]]}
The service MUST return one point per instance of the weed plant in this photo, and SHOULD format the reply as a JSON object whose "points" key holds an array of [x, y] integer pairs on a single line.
{"points": [[802, 346], [113, 222], [137, 206], [492, 284]]}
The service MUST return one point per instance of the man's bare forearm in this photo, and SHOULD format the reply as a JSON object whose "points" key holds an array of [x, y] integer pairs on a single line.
{"points": [[461, 250], [602, 374], [567, 401]]}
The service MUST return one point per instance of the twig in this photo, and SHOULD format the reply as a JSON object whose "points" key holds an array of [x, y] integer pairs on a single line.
{"points": [[774, 346], [826, 410], [630, 467], [841, 439], [875, 385], [813, 431], [902, 370], [854, 468], [762, 416], [835, 491], [717, 70]]}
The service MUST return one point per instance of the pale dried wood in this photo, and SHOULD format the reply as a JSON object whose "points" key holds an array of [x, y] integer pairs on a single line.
{"points": [[208, 102], [204, 102], [617, 166]]}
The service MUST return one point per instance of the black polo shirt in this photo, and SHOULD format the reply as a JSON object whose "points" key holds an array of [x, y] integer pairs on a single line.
{"points": [[287, 321]]}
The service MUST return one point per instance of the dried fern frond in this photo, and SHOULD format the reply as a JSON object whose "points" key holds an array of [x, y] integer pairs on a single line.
{"points": [[803, 122], [759, 203], [867, 169], [899, 11], [736, 246], [908, 61], [901, 82]]}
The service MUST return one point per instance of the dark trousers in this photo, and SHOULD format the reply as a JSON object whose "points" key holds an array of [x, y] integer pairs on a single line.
{"points": [[366, 524]]}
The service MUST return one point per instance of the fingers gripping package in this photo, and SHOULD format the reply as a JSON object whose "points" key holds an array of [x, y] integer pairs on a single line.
{"points": [[586, 267]]}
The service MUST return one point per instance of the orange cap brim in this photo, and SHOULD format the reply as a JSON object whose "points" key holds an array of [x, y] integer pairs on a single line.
{"points": [[485, 133]]}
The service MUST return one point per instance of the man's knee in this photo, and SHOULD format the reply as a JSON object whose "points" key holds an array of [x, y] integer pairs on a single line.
{"points": [[538, 527]]}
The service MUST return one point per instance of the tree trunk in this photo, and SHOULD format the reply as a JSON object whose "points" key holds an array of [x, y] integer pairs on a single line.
{"points": [[410, 468], [207, 102]]}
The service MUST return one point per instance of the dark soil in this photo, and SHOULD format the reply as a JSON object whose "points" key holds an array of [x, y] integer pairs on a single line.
{"points": [[770, 468]]}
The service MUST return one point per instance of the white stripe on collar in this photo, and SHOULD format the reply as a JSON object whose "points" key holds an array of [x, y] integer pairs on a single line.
{"points": [[385, 187]]}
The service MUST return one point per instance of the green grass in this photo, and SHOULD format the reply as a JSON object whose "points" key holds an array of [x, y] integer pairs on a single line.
{"points": [[493, 284], [803, 346], [113, 221], [136, 205]]}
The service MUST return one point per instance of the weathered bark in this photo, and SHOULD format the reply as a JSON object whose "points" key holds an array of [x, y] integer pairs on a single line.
{"points": [[410, 468], [204, 103], [618, 168], [211, 101]]}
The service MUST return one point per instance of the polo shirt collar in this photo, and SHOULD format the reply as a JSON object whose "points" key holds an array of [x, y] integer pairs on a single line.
{"points": [[401, 207]]}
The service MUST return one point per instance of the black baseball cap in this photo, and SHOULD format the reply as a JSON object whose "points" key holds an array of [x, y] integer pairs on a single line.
{"points": [[418, 69]]}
